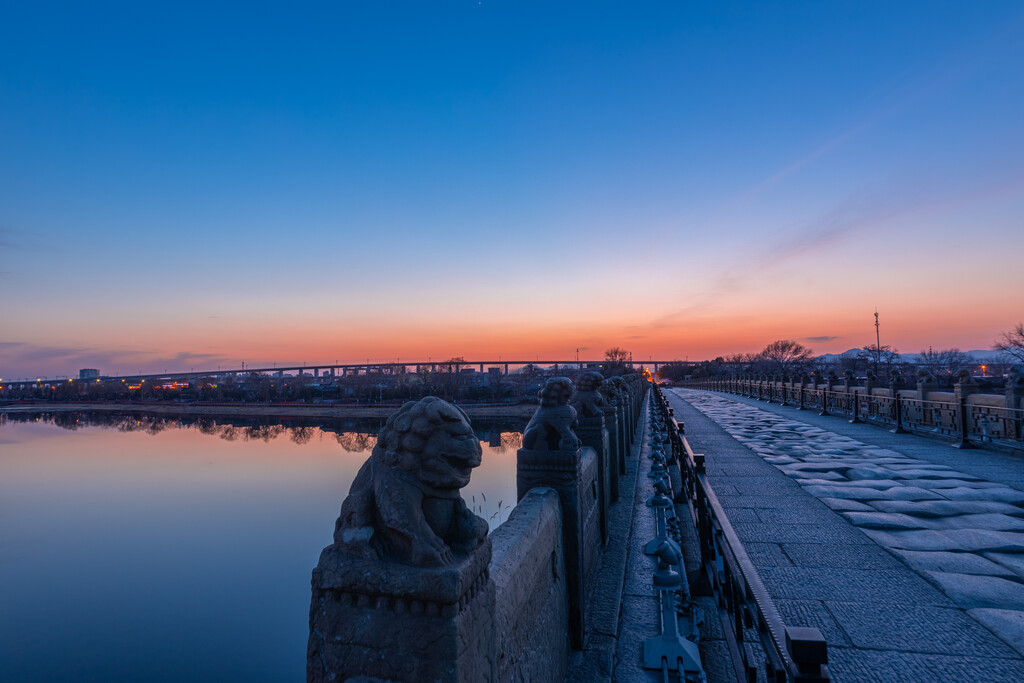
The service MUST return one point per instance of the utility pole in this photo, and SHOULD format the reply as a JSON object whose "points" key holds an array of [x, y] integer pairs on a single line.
{"points": [[878, 343]]}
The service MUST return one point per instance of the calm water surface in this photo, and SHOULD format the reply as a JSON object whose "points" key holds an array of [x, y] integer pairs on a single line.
{"points": [[178, 553]]}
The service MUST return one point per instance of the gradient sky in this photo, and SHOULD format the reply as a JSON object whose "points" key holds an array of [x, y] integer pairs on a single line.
{"points": [[186, 186]]}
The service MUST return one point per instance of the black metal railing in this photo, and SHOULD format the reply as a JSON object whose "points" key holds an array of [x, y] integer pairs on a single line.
{"points": [[967, 423], [794, 654]]}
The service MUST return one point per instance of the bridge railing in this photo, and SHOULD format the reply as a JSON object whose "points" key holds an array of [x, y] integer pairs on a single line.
{"points": [[966, 418], [791, 653]]}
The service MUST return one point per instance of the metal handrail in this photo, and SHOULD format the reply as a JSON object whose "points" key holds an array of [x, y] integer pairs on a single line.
{"points": [[967, 424], [792, 654]]}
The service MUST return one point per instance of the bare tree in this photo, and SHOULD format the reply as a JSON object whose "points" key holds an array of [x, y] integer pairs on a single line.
{"points": [[616, 355], [1012, 343], [882, 360], [785, 356], [945, 362], [741, 362], [356, 442]]}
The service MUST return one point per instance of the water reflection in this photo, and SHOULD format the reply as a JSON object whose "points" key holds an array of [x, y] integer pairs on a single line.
{"points": [[171, 548], [353, 435]]}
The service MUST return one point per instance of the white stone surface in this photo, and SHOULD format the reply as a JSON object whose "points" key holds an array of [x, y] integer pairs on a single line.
{"points": [[1005, 623], [964, 533]]}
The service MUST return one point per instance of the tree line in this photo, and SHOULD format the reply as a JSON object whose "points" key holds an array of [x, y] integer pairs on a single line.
{"points": [[790, 358]]}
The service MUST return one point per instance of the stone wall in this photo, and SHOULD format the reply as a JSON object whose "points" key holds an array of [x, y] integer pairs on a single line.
{"points": [[531, 606], [413, 589]]}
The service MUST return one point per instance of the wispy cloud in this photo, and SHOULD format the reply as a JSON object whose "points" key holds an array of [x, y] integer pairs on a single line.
{"points": [[856, 215], [852, 215], [23, 359], [824, 338]]}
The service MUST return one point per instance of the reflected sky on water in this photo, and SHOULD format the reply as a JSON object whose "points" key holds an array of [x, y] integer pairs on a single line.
{"points": [[167, 552]]}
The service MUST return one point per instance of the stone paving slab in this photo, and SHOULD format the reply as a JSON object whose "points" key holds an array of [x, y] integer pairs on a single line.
{"points": [[890, 619], [813, 613], [893, 666], [1007, 624], [876, 587], [859, 556], [917, 628]]}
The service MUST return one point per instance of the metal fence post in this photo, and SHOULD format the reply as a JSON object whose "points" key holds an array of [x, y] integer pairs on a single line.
{"points": [[898, 410], [856, 409], [964, 441]]}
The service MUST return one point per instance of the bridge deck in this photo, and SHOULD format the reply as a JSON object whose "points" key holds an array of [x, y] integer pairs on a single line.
{"points": [[906, 553]]}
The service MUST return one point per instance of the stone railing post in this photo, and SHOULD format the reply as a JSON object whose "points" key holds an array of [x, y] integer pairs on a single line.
{"points": [[896, 384], [615, 420], [1014, 387], [616, 453], [965, 385], [553, 456], [589, 405], [1014, 392], [404, 593], [926, 384]]}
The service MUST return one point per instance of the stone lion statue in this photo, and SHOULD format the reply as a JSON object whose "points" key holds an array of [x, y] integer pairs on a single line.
{"points": [[610, 392], [588, 401], [551, 427], [404, 504], [621, 387]]}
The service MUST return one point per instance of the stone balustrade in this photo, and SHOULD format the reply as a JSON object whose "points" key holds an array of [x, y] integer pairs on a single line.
{"points": [[964, 414], [414, 589]]}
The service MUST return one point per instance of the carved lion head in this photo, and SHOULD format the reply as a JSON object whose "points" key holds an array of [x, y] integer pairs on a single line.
{"points": [[433, 440], [556, 392], [589, 381]]}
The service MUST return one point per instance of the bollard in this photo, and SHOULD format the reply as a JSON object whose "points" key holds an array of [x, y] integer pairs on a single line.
{"points": [[809, 652]]}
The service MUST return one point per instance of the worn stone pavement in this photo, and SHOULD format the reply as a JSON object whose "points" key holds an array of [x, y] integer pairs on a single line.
{"points": [[639, 616], [906, 553]]}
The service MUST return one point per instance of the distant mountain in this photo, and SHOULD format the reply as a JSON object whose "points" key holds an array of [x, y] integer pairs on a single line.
{"points": [[981, 355]]}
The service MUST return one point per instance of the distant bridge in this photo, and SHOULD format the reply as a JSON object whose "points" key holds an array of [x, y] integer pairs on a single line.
{"points": [[349, 369]]}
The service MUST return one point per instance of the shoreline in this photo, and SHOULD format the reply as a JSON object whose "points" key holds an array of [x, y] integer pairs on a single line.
{"points": [[243, 410]]}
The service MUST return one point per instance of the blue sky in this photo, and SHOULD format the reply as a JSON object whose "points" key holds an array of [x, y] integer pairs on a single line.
{"points": [[183, 184]]}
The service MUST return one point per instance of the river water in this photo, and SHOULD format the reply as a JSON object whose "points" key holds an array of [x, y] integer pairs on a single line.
{"points": [[151, 549]]}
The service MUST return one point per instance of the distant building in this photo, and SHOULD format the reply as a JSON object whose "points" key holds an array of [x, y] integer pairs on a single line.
{"points": [[88, 373]]}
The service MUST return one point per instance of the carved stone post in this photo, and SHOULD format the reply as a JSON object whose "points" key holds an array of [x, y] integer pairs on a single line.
{"points": [[896, 384], [926, 384], [616, 394], [616, 454], [589, 406], [1014, 386], [965, 385], [1014, 392], [552, 456], [404, 593], [614, 421]]}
